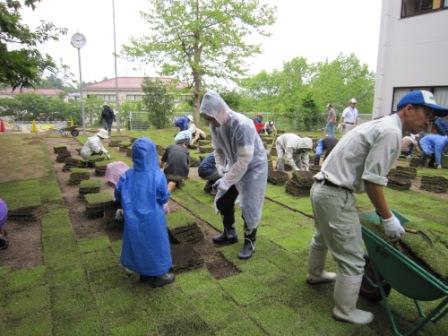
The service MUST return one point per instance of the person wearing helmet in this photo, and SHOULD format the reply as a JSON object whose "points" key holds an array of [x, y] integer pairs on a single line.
{"points": [[93, 145], [349, 116], [360, 161], [241, 161], [294, 150]]}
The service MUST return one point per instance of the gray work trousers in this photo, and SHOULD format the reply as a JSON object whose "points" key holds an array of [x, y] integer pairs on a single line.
{"points": [[337, 227]]}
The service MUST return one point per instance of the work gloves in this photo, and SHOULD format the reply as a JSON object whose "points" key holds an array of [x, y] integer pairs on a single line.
{"points": [[392, 228], [220, 169]]}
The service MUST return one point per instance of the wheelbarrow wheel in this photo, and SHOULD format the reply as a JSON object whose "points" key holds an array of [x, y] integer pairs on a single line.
{"points": [[74, 133], [371, 291]]}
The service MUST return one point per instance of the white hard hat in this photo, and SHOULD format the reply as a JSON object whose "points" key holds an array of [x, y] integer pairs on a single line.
{"points": [[103, 134], [190, 117], [353, 101]]}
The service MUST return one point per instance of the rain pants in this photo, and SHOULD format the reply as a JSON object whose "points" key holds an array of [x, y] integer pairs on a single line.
{"points": [[142, 192], [239, 154]]}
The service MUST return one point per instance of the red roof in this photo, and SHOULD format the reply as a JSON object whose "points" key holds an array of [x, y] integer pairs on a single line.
{"points": [[42, 92], [126, 83]]}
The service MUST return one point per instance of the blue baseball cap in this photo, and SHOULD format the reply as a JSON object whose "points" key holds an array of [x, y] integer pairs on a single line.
{"points": [[423, 98]]}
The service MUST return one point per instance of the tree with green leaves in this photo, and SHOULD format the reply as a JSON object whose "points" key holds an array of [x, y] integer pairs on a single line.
{"points": [[158, 101], [23, 65], [196, 40]]}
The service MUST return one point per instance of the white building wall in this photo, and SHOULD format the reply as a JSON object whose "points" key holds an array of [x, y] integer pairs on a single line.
{"points": [[412, 52]]}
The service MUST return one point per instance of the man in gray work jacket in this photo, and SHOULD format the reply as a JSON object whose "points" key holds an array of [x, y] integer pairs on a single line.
{"points": [[360, 161]]}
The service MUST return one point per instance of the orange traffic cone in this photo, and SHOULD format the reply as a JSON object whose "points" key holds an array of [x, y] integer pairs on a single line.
{"points": [[2, 126]]}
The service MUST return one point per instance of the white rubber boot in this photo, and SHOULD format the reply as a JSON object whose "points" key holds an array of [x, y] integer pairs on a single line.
{"points": [[346, 292], [316, 263]]}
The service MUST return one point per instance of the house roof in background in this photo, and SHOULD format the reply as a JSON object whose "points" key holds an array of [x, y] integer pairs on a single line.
{"points": [[127, 83], [42, 92]]}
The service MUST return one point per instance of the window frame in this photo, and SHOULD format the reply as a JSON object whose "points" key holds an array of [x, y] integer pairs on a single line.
{"points": [[443, 6], [413, 88]]}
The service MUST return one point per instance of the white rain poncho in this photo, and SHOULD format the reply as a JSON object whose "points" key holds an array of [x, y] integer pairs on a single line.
{"points": [[186, 135], [239, 154], [294, 150], [92, 145]]}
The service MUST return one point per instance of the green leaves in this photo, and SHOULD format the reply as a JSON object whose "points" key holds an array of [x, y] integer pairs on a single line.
{"points": [[200, 40]]}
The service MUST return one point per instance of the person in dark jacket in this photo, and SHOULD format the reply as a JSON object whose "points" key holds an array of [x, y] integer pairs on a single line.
{"points": [[142, 193], [108, 117], [176, 163], [207, 171]]}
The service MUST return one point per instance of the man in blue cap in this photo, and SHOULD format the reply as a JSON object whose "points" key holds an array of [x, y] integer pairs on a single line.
{"points": [[360, 162]]}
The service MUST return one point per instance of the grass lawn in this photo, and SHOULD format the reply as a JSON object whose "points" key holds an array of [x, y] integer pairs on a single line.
{"points": [[80, 289]]}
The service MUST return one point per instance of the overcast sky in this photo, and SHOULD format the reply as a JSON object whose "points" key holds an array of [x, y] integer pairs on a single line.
{"points": [[314, 29]]}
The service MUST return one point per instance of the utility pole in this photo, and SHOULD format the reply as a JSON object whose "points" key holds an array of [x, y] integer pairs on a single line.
{"points": [[117, 99]]}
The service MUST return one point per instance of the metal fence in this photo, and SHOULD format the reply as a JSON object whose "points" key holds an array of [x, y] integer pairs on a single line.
{"points": [[138, 121]]}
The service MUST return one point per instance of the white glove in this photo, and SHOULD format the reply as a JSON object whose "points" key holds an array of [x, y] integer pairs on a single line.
{"points": [[220, 186], [166, 209], [220, 169], [392, 228], [119, 216]]}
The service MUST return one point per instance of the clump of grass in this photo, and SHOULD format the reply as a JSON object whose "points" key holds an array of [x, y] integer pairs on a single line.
{"points": [[21, 194], [99, 198]]}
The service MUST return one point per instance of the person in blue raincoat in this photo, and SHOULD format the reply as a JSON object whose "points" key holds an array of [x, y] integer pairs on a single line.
{"points": [[142, 193], [241, 160]]}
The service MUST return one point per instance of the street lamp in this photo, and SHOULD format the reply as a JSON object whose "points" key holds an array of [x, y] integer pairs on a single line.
{"points": [[78, 41]]}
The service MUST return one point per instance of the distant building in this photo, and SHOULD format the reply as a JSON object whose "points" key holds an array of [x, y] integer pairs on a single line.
{"points": [[9, 92], [129, 88], [412, 52]]}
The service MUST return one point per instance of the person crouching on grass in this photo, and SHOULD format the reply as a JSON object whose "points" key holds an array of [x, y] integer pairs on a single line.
{"points": [[175, 163], [142, 193]]}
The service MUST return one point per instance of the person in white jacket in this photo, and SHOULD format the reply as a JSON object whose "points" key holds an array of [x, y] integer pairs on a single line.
{"points": [[294, 150], [241, 160], [93, 145]]}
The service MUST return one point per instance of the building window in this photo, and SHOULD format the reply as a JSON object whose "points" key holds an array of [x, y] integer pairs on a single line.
{"points": [[440, 94], [134, 97], [417, 7], [108, 98]]}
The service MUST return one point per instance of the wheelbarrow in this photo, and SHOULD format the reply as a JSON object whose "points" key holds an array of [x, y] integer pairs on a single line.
{"points": [[392, 268], [72, 130]]}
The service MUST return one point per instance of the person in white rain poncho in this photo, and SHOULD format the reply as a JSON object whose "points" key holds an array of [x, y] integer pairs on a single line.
{"points": [[93, 145], [241, 160], [294, 150]]}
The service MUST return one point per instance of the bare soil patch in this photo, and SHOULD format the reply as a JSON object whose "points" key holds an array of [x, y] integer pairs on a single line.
{"points": [[83, 227], [25, 247], [218, 266]]}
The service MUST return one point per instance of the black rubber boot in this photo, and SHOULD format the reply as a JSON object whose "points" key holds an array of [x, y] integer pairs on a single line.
{"points": [[228, 236], [249, 245]]}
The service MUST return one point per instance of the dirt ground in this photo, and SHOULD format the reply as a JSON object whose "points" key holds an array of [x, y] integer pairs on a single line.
{"points": [[25, 247]]}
